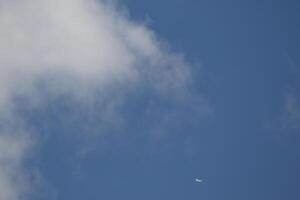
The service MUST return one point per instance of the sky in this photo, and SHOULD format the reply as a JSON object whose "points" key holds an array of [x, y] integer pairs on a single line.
{"points": [[130, 99]]}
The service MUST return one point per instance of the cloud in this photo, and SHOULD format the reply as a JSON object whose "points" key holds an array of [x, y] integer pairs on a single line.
{"points": [[86, 43], [75, 48], [292, 112], [291, 104], [13, 176]]}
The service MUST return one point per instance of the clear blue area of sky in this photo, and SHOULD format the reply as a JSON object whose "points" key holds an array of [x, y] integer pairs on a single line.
{"points": [[245, 56]]}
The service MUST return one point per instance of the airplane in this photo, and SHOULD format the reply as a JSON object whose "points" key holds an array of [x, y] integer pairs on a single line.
{"points": [[198, 180]]}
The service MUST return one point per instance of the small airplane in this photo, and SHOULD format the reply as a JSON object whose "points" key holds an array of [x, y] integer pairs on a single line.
{"points": [[198, 180]]}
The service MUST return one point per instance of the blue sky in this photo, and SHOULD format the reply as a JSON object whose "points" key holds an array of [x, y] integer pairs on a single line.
{"points": [[176, 90]]}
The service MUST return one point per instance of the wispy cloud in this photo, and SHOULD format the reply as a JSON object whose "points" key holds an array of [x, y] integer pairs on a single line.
{"points": [[287, 121], [76, 48], [291, 107], [14, 149], [291, 117]]}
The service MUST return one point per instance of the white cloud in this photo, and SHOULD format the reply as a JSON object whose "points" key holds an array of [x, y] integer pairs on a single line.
{"points": [[73, 47], [89, 42]]}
